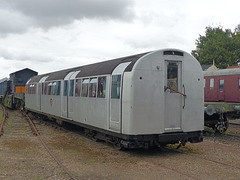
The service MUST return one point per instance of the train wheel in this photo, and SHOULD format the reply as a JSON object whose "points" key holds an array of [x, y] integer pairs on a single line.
{"points": [[222, 126]]}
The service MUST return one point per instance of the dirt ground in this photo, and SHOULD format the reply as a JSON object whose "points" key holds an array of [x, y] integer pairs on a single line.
{"points": [[23, 157]]}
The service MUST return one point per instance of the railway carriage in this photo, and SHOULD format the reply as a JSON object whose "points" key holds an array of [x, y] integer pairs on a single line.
{"points": [[3, 87], [143, 100], [12, 90], [222, 97], [222, 85]]}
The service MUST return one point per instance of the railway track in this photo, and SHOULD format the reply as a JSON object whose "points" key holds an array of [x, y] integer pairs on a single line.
{"points": [[233, 130], [25, 127], [3, 119], [234, 123]]}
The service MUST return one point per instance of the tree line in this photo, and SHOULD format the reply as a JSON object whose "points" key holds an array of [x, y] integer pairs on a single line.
{"points": [[220, 45]]}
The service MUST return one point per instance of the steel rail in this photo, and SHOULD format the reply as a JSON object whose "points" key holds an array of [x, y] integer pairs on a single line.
{"points": [[234, 123], [210, 160], [3, 121], [48, 150]]}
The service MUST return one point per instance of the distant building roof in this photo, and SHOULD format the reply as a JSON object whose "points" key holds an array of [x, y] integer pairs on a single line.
{"points": [[221, 72], [209, 67], [26, 69], [230, 67], [205, 67], [4, 79]]}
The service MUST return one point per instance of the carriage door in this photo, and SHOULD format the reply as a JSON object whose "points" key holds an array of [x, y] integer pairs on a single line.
{"points": [[64, 100], [221, 90], [173, 96], [68, 95], [115, 120], [39, 94], [42, 89]]}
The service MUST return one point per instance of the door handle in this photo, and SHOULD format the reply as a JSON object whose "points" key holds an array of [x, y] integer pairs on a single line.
{"points": [[184, 97], [166, 87]]}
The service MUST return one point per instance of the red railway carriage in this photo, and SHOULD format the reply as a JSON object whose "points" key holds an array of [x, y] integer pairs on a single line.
{"points": [[222, 85]]}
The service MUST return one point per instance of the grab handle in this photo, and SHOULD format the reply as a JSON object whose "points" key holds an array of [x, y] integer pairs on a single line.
{"points": [[166, 87]]}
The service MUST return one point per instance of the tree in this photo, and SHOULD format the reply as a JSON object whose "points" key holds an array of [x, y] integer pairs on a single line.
{"points": [[222, 46]]}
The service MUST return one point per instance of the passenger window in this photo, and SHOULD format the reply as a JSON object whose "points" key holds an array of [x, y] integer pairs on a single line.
{"points": [[58, 88], [116, 87], [26, 89], [101, 87], [239, 84], [54, 84], [221, 84], [211, 83], [49, 88], [77, 87], [71, 87], [45, 88], [42, 88], [85, 88], [39, 88], [204, 83], [172, 76], [65, 88], [30, 88], [93, 87]]}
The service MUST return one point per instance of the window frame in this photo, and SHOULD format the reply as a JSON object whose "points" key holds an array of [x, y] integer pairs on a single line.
{"points": [[93, 86], [104, 89], [78, 87], [118, 87], [65, 87], [211, 85], [85, 85], [221, 85], [71, 87]]}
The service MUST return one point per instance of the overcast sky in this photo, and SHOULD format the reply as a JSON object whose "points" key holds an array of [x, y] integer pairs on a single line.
{"points": [[50, 35]]}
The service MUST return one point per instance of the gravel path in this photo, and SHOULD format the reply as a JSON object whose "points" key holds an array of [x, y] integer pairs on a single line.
{"points": [[23, 157]]}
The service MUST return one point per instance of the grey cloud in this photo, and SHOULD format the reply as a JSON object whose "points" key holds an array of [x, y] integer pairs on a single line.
{"points": [[49, 13], [12, 22], [22, 56]]}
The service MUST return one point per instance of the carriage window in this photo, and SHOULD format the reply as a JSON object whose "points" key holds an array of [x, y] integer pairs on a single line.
{"points": [[204, 83], [93, 87], [172, 76], [221, 84], [116, 86], [39, 88], [239, 84], [211, 83], [45, 88], [49, 88], [30, 89], [85, 88], [58, 88], [35, 88], [101, 87], [65, 88], [71, 87], [77, 87], [26, 89], [54, 84]]}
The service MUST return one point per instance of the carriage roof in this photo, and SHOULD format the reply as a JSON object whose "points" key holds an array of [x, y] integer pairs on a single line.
{"points": [[101, 68], [222, 72]]}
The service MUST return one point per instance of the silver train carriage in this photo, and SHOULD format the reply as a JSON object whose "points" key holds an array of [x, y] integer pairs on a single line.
{"points": [[148, 99]]}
